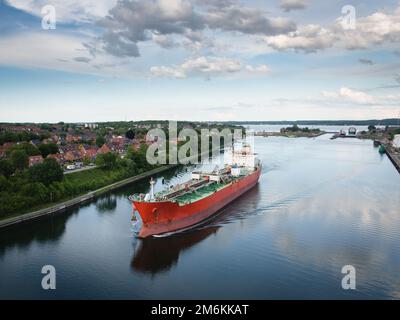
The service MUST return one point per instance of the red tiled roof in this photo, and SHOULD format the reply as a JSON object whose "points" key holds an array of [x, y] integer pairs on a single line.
{"points": [[104, 149], [35, 160]]}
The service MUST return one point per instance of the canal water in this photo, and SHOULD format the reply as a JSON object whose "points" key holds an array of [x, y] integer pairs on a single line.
{"points": [[320, 204]]}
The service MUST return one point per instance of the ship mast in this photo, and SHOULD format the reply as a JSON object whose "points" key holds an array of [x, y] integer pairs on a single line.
{"points": [[152, 183]]}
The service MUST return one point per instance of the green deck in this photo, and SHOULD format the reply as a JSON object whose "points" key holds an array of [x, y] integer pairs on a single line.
{"points": [[200, 193]]}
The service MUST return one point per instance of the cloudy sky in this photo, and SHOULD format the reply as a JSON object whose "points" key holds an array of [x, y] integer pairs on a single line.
{"points": [[199, 60]]}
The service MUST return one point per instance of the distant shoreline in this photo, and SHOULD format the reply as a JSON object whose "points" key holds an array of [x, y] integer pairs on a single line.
{"points": [[384, 122], [376, 122]]}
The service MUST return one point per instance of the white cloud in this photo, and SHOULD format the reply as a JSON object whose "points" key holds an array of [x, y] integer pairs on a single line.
{"points": [[44, 50], [258, 69], [246, 20], [356, 96], [59, 51], [128, 23], [346, 95], [132, 22], [166, 42], [349, 95], [307, 38], [168, 72], [201, 66], [375, 29], [330, 95], [67, 11], [206, 67]]}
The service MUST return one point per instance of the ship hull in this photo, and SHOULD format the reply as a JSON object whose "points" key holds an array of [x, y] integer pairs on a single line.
{"points": [[165, 217]]}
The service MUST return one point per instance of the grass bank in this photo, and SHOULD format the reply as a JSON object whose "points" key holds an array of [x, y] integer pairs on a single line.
{"points": [[104, 179]]}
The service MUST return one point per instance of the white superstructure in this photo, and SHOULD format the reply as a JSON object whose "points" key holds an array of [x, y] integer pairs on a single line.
{"points": [[242, 157]]}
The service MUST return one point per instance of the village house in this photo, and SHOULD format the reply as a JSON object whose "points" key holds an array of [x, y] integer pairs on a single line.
{"points": [[71, 156], [118, 144], [89, 136], [91, 154], [22, 129], [104, 149], [33, 160], [137, 143], [120, 149], [88, 152], [82, 150], [68, 147], [118, 140], [35, 142], [91, 125], [58, 157], [4, 148], [55, 138], [8, 145], [61, 141], [73, 138]]}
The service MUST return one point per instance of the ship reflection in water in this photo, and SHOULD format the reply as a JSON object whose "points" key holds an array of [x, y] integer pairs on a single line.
{"points": [[159, 254]]}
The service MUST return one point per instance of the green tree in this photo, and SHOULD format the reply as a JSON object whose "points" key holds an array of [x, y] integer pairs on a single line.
{"points": [[37, 190], [27, 147], [4, 184], [48, 148], [130, 134], [45, 126], [47, 172], [8, 136], [138, 156], [19, 159], [107, 160], [100, 141], [6, 168], [371, 128]]}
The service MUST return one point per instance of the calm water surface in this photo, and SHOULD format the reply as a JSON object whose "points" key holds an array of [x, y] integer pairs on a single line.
{"points": [[319, 205]]}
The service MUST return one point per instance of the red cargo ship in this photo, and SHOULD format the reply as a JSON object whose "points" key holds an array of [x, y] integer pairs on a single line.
{"points": [[193, 202]]}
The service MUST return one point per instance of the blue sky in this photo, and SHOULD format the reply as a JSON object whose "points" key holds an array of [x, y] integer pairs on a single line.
{"points": [[198, 60]]}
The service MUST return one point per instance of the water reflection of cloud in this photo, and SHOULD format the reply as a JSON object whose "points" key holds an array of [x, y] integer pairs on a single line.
{"points": [[326, 232], [334, 204]]}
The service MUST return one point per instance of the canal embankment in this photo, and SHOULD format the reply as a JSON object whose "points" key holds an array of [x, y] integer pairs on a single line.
{"points": [[392, 153], [60, 207], [394, 156]]}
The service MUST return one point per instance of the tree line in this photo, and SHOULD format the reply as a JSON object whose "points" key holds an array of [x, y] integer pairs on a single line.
{"points": [[23, 188]]}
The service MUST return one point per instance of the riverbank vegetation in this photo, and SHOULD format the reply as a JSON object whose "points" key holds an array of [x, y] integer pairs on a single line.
{"points": [[297, 132], [385, 135], [32, 158], [23, 188], [296, 129]]}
